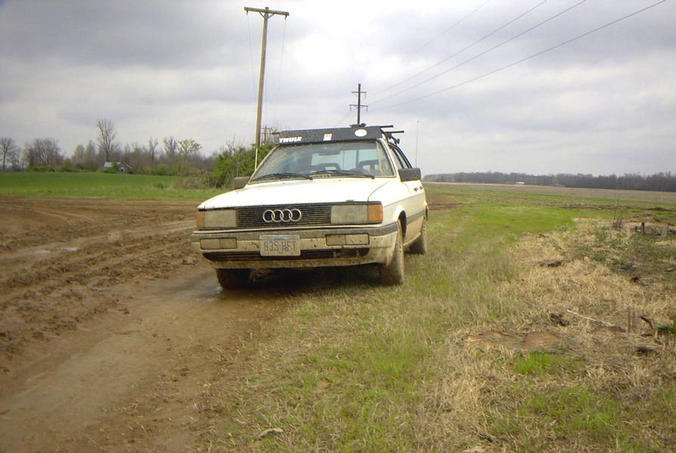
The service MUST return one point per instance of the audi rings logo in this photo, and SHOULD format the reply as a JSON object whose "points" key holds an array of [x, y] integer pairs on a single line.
{"points": [[282, 215]]}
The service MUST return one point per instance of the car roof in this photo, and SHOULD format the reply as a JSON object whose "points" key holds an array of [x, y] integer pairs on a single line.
{"points": [[336, 134]]}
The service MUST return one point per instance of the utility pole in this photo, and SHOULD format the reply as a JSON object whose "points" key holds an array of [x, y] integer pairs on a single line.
{"points": [[265, 14], [359, 105]]}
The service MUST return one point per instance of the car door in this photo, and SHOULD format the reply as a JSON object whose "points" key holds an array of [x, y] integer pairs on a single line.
{"points": [[414, 205]]}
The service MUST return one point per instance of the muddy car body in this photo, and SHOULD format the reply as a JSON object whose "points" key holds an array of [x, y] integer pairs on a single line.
{"points": [[322, 197]]}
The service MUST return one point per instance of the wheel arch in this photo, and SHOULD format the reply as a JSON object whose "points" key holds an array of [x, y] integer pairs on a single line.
{"points": [[401, 218]]}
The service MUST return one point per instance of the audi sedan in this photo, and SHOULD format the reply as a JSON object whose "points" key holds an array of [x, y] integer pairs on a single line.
{"points": [[322, 197]]}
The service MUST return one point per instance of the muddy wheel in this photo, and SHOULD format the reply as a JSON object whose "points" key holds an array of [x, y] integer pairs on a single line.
{"points": [[393, 273], [419, 246], [232, 278]]}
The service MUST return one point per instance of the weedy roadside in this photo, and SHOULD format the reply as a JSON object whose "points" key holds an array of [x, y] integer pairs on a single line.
{"points": [[483, 348]]}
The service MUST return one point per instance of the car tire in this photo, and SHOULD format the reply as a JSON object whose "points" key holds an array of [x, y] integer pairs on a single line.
{"points": [[233, 278], [419, 246], [393, 273]]}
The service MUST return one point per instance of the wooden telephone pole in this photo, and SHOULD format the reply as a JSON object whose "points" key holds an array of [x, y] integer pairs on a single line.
{"points": [[358, 106], [265, 14]]}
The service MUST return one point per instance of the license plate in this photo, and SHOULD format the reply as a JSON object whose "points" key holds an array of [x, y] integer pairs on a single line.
{"points": [[280, 245]]}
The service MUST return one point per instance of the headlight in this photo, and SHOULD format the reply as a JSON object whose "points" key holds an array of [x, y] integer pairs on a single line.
{"points": [[217, 218], [349, 214]]}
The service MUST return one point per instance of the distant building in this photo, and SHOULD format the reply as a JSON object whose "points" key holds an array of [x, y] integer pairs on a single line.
{"points": [[520, 183], [122, 167]]}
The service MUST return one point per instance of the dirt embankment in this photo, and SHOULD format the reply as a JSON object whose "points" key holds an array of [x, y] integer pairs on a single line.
{"points": [[111, 330]]}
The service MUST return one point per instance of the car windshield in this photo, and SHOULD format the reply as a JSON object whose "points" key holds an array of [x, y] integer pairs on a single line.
{"points": [[325, 160]]}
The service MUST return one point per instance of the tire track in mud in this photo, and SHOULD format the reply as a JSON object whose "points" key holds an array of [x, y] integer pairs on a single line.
{"points": [[36, 222], [65, 276], [114, 336], [57, 293], [146, 381]]}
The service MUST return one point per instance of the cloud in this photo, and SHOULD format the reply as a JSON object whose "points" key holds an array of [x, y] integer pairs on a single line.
{"points": [[190, 69]]}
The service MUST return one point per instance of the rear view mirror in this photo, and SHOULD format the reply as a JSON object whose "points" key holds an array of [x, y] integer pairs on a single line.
{"points": [[410, 174], [240, 181]]}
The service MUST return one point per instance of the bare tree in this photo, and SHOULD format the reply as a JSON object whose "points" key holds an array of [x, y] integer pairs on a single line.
{"points": [[85, 157], [170, 146], [152, 147], [106, 137], [9, 151], [43, 152]]}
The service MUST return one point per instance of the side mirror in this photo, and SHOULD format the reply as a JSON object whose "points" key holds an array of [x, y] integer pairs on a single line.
{"points": [[410, 174], [240, 181]]}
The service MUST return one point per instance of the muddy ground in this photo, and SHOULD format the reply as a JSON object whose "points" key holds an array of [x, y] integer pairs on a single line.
{"points": [[112, 331]]}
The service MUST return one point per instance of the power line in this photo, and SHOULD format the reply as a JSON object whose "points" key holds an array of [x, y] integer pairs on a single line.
{"points": [[530, 57], [466, 47], [253, 79], [490, 49], [266, 14], [456, 23], [277, 88]]}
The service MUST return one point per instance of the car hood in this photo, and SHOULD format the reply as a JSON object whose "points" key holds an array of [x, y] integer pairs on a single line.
{"points": [[333, 190]]}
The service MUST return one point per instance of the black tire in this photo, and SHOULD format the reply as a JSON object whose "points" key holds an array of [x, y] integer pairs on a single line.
{"points": [[233, 278], [393, 273], [419, 246]]}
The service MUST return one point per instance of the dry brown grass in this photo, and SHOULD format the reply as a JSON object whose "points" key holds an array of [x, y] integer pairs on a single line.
{"points": [[481, 393]]}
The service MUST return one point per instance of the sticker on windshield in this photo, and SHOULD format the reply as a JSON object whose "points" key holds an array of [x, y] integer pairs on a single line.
{"points": [[328, 137], [360, 132], [290, 139]]}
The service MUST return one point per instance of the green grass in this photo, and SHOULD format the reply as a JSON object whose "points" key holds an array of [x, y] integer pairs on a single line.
{"points": [[360, 353], [356, 366], [39, 184], [541, 363], [554, 419], [575, 412]]}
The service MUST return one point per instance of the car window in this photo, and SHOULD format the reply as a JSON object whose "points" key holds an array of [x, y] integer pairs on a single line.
{"points": [[397, 161], [327, 159], [400, 157]]}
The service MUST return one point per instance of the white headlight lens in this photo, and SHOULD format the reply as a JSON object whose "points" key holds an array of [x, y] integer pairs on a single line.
{"points": [[220, 218]]}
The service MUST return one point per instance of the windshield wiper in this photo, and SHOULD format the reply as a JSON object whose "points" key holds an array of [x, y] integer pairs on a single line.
{"points": [[352, 173], [282, 176]]}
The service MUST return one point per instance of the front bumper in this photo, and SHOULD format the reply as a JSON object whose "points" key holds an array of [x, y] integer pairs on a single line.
{"points": [[240, 249]]}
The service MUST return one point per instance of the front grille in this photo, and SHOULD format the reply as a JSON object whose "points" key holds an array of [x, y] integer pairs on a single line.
{"points": [[252, 217], [304, 255]]}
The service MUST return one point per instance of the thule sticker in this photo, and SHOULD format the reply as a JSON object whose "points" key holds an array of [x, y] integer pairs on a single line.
{"points": [[290, 139]]}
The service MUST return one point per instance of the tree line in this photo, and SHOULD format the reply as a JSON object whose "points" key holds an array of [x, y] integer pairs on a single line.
{"points": [[664, 182], [170, 156]]}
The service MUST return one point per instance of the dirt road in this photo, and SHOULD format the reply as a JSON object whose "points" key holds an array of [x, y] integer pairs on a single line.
{"points": [[113, 335]]}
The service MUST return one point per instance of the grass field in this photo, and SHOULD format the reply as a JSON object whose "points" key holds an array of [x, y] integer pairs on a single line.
{"points": [[603, 194], [518, 331], [39, 184], [478, 349]]}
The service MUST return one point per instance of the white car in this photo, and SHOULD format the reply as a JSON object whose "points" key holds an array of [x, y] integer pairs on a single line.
{"points": [[322, 197]]}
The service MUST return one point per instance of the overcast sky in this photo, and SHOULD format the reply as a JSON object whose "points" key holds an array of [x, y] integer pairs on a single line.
{"points": [[604, 103]]}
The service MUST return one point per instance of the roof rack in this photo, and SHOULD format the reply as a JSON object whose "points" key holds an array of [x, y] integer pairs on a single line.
{"points": [[339, 134], [390, 134]]}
